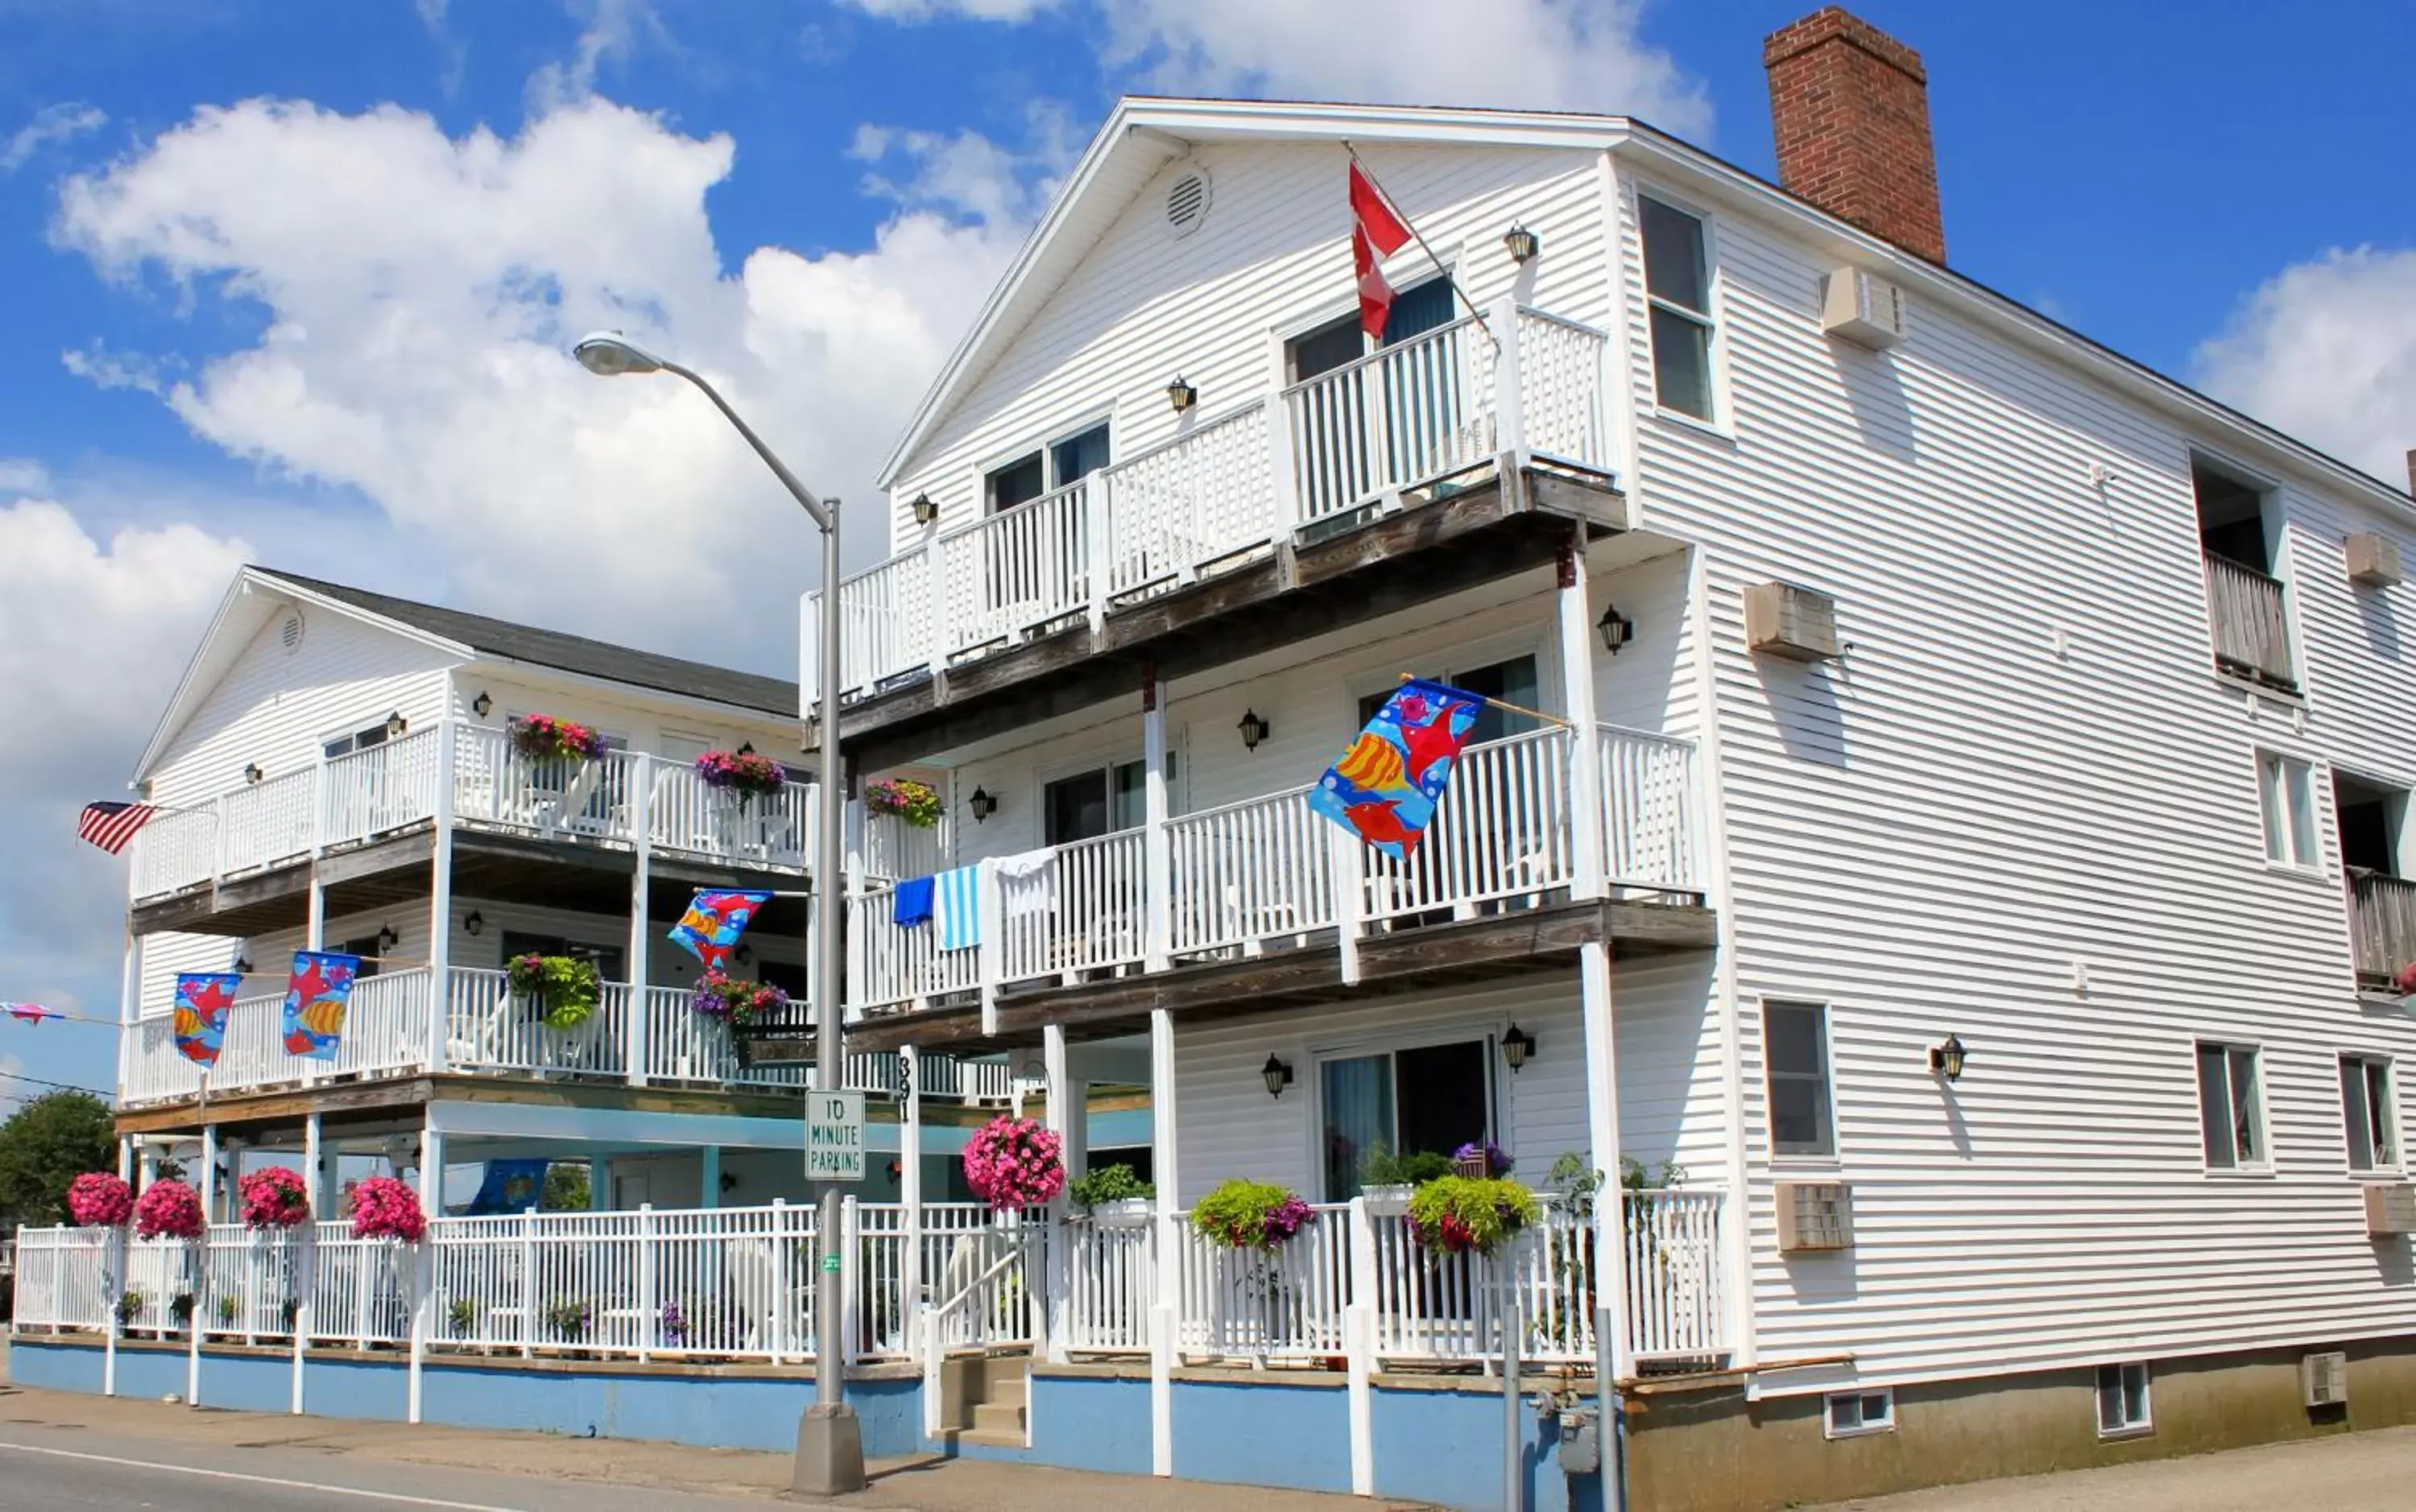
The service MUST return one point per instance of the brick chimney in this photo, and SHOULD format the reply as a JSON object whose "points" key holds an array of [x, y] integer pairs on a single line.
{"points": [[1849, 105]]}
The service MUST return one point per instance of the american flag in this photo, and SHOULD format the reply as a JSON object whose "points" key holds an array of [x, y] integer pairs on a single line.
{"points": [[110, 826]]}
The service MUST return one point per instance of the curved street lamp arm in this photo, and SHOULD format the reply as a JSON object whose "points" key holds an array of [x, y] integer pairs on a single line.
{"points": [[804, 495]]}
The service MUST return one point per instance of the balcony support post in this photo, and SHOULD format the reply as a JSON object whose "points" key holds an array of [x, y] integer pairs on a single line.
{"points": [[935, 603], [1346, 855], [1158, 847], [910, 1194], [1612, 1360], [1064, 1113], [439, 905], [1509, 404], [641, 927], [989, 947], [422, 1258], [1283, 470], [1098, 545], [130, 1012], [1167, 1295], [1588, 823]]}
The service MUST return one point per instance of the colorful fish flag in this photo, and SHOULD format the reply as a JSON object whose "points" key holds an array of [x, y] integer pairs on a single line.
{"points": [[110, 826], [31, 1012], [315, 1000], [1385, 788], [1375, 233], [202, 999], [710, 929]]}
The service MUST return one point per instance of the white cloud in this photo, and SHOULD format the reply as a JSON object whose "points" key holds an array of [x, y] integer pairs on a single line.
{"points": [[418, 293], [1542, 55], [2326, 350], [93, 637], [51, 124], [22, 476], [612, 31]]}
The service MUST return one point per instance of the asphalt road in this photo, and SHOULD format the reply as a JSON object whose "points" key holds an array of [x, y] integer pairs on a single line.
{"points": [[46, 1468]]}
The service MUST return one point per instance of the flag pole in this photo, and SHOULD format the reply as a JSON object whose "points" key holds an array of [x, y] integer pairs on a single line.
{"points": [[1408, 678], [1419, 237]]}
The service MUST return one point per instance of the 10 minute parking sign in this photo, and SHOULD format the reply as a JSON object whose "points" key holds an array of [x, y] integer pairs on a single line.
{"points": [[834, 1136]]}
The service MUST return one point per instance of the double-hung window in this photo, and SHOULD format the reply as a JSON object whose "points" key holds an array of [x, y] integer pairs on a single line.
{"points": [[1678, 290], [1795, 1045], [1053, 466], [2366, 1109], [2286, 797], [2231, 1111]]}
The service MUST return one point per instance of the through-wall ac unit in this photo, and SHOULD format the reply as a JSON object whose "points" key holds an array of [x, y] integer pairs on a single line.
{"points": [[1799, 623], [2373, 560], [1855, 307], [2390, 1209], [1814, 1215], [2323, 1378]]}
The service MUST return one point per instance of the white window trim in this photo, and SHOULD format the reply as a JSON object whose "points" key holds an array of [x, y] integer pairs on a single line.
{"points": [[1046, 450], [2146, 1423], [2261, 1167], [2393, 1169], [1864, 1428], [1806, 1160], [1500, 1111], [1718, 423], [2289, 863]]}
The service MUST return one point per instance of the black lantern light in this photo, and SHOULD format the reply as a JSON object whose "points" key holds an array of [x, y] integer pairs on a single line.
{"points": [[482, 704], [474, 925], [253, 773], [242, 967], [388, 940], [1253, 728], [1517, 1046], [925, 511], [396, 725], [1522, 243], [982, 804], [1617, 629], [1947, 1059], [1277, 1076], [1180, 394]]}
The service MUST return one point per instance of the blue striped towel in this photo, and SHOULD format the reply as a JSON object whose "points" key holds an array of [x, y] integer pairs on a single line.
{"points": [[911, 904], [955, 907]]}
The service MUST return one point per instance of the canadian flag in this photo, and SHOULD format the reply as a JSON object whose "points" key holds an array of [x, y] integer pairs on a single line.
{"points": [[1375, 233]]}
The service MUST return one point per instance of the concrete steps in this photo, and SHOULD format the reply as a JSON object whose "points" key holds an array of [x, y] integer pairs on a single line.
{"points": [[991, 1396]]}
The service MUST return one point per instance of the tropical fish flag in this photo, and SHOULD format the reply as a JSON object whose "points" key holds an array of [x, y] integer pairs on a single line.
{"points": [[203, 998], [1385, 788], [31, 1012], [315, 999], [710, 929]]}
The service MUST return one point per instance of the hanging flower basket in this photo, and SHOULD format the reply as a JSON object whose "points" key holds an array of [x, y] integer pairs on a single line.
{"points": [[1463, 1215], [559, 989], [909, 800], [742, 771], [725, 997], [168, 1210], [99, 1200], [1251, 1215], [385, 1207], [1014, 1164], [273, 1199], [542, 737]]}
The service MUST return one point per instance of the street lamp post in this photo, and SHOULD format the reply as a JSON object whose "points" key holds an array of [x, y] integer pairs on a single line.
{"points": [[830, 1441]]}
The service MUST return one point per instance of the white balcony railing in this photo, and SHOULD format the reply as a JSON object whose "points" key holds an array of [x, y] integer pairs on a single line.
{"points": [[370, 794], [1224, 491], [1266, 873], [919, 1281], [388, 1031]]}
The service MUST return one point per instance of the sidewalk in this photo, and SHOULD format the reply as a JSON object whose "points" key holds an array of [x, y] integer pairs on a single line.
{"points": [[920, 1484], [2374, 1471]]}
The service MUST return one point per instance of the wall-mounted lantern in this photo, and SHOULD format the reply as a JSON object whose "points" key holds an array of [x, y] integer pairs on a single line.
{"points": [[483, 704], [1180, 394], [982, 804], [1947, 1059], [388, 940], [396, 725], [1517, 1046], [475, 925], [1253, 728], [925, 511], [253, 774], [1277, 1074], [1617, 629], [1523, 244]]}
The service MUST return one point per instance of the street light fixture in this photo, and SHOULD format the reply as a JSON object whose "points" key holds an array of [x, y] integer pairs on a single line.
{"points": [[830, 1439]]}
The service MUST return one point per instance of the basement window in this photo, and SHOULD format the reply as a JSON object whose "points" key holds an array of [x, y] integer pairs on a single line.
{"points": [[1852, 1414], [2123, 1400]]}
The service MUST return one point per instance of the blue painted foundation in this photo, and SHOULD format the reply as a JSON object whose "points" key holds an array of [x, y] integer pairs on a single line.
{"points": [[1090, 1423], [1262, 1434]]}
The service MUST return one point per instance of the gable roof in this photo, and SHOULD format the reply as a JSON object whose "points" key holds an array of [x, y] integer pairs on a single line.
{"points": [[479, 635], [1143, 134]]}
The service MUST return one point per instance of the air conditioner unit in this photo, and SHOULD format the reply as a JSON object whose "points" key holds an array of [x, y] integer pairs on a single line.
{"points": [[1814, 1215], [2373, 560], [2390, 1209], [1855, 307], [1782, 620], [2323, 1378]]}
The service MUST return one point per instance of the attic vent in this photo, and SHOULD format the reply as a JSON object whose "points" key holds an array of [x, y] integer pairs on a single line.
{"points": [[289, 632], [1186, 201]]}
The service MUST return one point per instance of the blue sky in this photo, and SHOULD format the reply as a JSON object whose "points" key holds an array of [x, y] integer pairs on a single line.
{"points": [[289, 282]]}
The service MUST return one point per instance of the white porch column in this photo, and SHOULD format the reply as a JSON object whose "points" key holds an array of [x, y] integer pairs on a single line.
{"points": [[599, 1184], [126, 1159], [1168, 1298], [314, 937], [198, 1317], [129, 1011], [910, 1187], [641, 934], [306, 1284], [1612, 1361], [1156, 849], [439, 905], [1575, 606], [709, 1176], [210, 1177], [1062, 1114], [422, 1258]]}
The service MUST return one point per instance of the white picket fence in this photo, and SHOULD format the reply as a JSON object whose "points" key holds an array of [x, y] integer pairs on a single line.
{"points": [[1266, 873], [738, 1284], [1224, 493]]}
